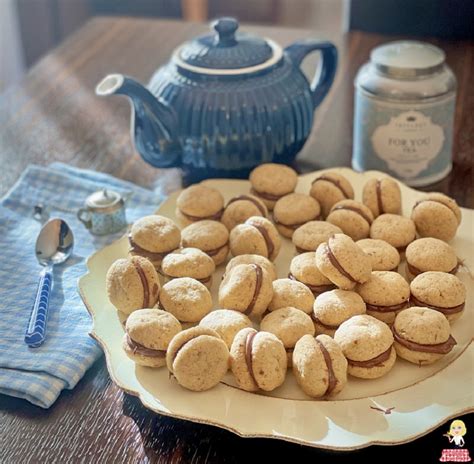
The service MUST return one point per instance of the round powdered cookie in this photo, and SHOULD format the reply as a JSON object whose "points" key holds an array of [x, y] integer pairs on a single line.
{"points": [[212, 237], [319, 366], [246, 288], [294, 210], [199, 202], [289, 325], [258, 236], [148, 332], [198, 358], [384, 257], [253, 259], [352, 217], [153, 237], [422, 335], [430, 254], [258, 360], [436, 215], [382, 196], [287, 292], [187, 299], [440, 291], [310, 235], [303, 269], [242, 207], [343, 262], [397, 230], [385, 294], [188, 262], [367, 344], [227, 323], [329, 188], [272, 181], [332, 308], [132, 283]]}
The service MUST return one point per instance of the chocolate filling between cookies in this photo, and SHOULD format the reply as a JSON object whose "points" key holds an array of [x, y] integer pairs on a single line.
{"points": [[449, 310], [144, 281], [265, 235], [212, 217], [322, 324], [438, 348], [295, 226], [378, 193], [337, 265], [415, 271], [142, 350], [258, 285], [134, 248], [314, 288], [334, 182], [248, 198], [388, 308], [248, 355], [215, 251], [355, 210], [381, 358], [332, 380], [267, 196]]}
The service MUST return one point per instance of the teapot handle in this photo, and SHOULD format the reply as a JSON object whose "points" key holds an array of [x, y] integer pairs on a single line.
{"points": [[324, 75]]}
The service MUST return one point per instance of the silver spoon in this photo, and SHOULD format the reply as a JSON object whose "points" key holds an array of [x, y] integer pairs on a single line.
{"points": [[53, 246]]}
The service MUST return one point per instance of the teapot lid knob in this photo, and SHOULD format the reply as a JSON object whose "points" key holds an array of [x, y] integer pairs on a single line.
{"points": [[225, 28]]}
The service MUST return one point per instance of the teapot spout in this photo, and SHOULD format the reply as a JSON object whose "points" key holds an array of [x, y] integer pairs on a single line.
{"points": [[154, 123]]}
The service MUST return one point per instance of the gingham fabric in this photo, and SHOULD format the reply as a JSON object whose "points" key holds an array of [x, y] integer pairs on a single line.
{"points": [[40, 374], [455, 455]]}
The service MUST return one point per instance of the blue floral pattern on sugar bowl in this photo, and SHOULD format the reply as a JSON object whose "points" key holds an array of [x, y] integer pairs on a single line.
{"points": [[226, 102]]}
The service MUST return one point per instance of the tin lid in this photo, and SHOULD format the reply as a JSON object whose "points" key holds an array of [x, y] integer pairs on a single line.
{"points": [[407, 59], [104, 201]]}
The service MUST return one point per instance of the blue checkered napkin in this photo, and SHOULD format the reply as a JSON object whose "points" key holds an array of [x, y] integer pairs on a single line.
{"points": [[40, 374]]}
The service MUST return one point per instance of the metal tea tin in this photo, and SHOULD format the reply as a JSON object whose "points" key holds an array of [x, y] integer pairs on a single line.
{"points": [[104, 212], [404, 113]]}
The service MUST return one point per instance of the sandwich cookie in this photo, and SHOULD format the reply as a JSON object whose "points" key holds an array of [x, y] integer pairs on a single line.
{"points": [[352, 217], [383, 256], [396, 230], [153, 237], [294, 210], [188, 262], [199, 202], [288, 292], [253, 259], [272, 181], [310, 235], [439, 291], [303, 269], [382, 196], [319, 366], [289, 325], [187, 299], [258, 360], [343, 262], [367, 344], [197, 358], [242, 207], [430, 254], [246, 288], [212, 237], [258, 236], [148, 332], [436, 215], [132, 283], [329, 188], [332, 308], [227, 323], [422, 335], [385, 294]]}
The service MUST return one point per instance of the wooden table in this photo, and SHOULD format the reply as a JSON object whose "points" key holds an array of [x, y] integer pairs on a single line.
{"points": [[54, 115]]}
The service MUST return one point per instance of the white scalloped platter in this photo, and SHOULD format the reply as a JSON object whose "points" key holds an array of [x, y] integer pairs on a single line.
{"points": [[408, 402]]}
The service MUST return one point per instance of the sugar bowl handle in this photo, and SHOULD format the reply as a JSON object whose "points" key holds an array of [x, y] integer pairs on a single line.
{"points": [[324, 75], [84, 216]]}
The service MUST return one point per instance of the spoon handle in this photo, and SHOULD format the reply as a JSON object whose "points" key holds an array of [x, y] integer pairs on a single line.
{"points": [[36, 330]]}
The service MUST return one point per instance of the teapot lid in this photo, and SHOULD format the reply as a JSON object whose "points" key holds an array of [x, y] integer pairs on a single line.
{"points": [[227, 51]]}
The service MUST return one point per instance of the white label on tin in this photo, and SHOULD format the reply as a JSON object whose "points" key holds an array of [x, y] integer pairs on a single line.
{"points": [[408, 143]]}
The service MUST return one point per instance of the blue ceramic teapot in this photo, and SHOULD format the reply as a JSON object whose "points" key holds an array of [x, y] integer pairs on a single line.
{"points": [[226, 102]]}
